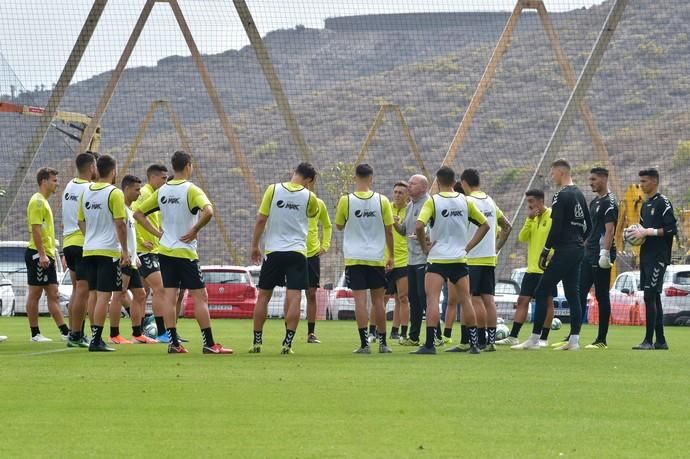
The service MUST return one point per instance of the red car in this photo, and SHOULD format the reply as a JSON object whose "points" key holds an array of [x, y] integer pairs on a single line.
{"points": [[231, 293]]}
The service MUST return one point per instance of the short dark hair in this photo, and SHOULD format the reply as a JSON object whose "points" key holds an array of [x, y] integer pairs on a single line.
{"points": [[651, 172], [364, 170], [180, 159], [155, 169], [471, 176], [95, 154], [458, 188], [45, 173], [600, 171], [306, 170], [561, 163], [400, 183], [535, 193], [105, 165], [84, 161], [445, 176], [129, 180]]}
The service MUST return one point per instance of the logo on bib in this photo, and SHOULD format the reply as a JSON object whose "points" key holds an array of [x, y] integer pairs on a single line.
{"points": [[90, 206], [167, 200], [287, 205], [365, 213], [451, 213]]}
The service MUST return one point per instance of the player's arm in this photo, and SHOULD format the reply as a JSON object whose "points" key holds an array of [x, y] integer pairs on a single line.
{"points": [[260, 224], [36, 221], [588, 219], [506, 228], [116, 202], [326, 227], [205, 217], [341, 213], [149, 205], [668, 222], [478, 219], [526, 232], [401, 225], [420, 225], [557, 219], [387, 212], [140, 237]]}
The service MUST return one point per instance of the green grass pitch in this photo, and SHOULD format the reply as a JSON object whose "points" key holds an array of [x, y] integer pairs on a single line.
{"points": [[325, 402]]}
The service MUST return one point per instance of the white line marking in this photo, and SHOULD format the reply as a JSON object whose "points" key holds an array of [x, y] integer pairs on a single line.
{"points": [[51, 351]]}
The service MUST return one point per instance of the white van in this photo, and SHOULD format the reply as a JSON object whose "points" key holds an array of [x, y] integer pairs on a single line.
{"points": [[12, 265]]}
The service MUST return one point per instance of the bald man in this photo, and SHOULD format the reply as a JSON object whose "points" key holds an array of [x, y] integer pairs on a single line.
{"points": [[418, 187]]}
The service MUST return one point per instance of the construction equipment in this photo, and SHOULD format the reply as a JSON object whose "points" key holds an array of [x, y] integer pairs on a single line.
{"points": [[70, 124]]}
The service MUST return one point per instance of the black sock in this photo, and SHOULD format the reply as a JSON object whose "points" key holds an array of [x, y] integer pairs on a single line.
{"points": [[464, 334], [437, 331], [114, 331], [75, 336], [258, 337], [64, 329], [289, 335], [136, 330], [430, 335], [382, 339], [363, 337], [310, 327], [172, 334], [160, 324], [473, 334], [96, 334], [447, 332], [515, 331], [83, 324], [372, 330], [492, 335], [207, 337], [35, 331], [481, 336], [403, 331], [545, 333], [394, 331]]}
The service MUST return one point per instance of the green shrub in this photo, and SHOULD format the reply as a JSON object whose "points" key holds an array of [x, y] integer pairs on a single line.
{"points": [[681, 157]]}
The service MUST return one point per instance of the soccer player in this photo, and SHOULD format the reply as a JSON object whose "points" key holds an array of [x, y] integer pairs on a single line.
{"points": [[657, 227], [600, 252], [40, 256], [481, 260], [534, 233], [396, 279], [131, 279], [570, 226], [102, 221], [417, 189], [148, 247], [366, 219], [73, 244], [185, 210], [283, 221], [448, 215]]}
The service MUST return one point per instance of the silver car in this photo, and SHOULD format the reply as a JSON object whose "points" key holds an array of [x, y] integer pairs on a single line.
{"points": [[275, 305], [7, 300]]}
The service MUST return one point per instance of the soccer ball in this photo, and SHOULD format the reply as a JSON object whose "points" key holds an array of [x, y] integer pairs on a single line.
{"points": [[499, 321], [502, 331], [627, 235], [150, 329], [556, 324]]}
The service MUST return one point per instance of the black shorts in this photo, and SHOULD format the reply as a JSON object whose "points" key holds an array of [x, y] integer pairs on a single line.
{"points": [[530, 282], [284, 269], [482, 280], [364, 277], [652, 275], [149, 264], [36, 275], [102, 273], [134, 277], [314, 271], [73, 255], [392, 278], [449, 271], [181, 273]]}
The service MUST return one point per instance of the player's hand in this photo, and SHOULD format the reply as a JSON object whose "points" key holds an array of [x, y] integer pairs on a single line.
{"points": [[148, 245], [189, 237], [138, 262], [544, 258], [322, 251], [124, 258], [256, 256], [389, 265], [604, 259], [531, 213], [396, 219], [43, 261]]}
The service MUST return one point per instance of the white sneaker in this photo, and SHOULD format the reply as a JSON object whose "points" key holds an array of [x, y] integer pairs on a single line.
{"points": [[40, 339], [3, 338], [568, 347], [543, 343], [511, 340], [532, 344], [64, 337]]}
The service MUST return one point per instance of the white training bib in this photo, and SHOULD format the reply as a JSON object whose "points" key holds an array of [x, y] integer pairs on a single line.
{"points": [[176, 217], [100, 226], [70, 206], [364, 237], [131, 237], [450, 227], [288, 223], [487, 246]]}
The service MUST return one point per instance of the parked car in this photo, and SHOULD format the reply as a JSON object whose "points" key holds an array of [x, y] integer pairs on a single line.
{"points": [[7, 300], [560, 302], [231, 292], [506, 297], [341, 303], [13, 267], [65, 291], [277, 302]]}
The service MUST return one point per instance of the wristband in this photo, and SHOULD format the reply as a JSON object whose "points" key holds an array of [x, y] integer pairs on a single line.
{"points": [[604, 253]]}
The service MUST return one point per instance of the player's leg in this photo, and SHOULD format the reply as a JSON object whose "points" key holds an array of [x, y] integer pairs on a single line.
{"points": [[314, 273], [571, 287], [660, 343], [401, 286], [546, 285], [115, 310], [138, 313], [475, 279], [487, 288], [33, 296], [296, 276], [433, 283], [151, 275], [105, 280], [53, 300], [451, 311], [355, 280], [378, 306], [414, 295], [271, 275], [602, 281], [469, 319], [521, 309]]}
